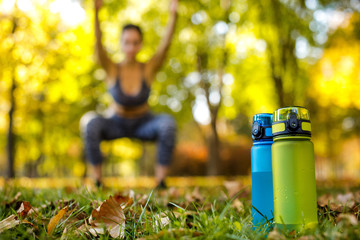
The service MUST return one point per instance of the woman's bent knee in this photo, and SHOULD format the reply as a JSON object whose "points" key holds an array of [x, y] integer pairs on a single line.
{"points": [[86, 119], [91, 125], [167, 125]]}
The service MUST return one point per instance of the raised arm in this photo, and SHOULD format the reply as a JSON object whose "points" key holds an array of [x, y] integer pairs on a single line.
{"points": [[158, 59], [102, 56]]}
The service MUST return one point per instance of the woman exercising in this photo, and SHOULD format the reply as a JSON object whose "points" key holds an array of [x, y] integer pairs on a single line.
{"points": [[129, 84]]}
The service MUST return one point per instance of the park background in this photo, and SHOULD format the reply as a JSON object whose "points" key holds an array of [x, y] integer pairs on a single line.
{"points": [[228, 61]]}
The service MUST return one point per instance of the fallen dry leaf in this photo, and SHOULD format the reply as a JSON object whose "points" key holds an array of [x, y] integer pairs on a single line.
{"points": [[275, 235], [324, 200], [124, 201], [83, 229], [233, 187], [355, 209], [161, 220], [24, 209], [142, 199], [194, 196], [336, 207], [74, 214], [174, 193], [55, 220], [109, 215], [347, 198], [348, 218], [9, 222], [338, 204], [13, 220], [31, 224], [238, 205], [357, 196]]}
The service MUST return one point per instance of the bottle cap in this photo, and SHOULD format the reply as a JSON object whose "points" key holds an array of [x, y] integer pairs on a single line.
{"points": [[261, 128], [291, 121]]}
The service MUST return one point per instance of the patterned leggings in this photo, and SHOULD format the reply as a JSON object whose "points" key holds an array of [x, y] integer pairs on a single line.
{"points": [[96, 128]]}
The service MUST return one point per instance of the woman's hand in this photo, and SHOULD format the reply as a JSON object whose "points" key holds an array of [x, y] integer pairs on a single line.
{"points": [[174, 6], [98, 4]]}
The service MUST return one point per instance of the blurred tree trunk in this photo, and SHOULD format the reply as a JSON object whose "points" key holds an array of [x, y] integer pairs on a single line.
{"points": [[10, 134], [277, 79], [281, 51], [213, 138], [213, 142], [278, 66]]}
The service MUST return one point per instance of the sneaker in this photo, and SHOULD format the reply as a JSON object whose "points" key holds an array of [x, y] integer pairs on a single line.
{"points": [[98, 184], [161, 185]]}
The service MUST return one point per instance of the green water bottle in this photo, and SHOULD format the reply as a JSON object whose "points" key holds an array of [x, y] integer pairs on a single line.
{"points": [[293, 166]]}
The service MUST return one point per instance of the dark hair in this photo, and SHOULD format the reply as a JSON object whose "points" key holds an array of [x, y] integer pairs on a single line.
{"points": [[132, 27]]}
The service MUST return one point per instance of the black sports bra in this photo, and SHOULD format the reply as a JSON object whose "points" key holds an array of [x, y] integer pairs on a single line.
{"points": [[129, 100]]}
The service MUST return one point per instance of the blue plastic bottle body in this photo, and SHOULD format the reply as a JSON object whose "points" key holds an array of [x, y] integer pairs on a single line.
{"points": [[262, 183]]}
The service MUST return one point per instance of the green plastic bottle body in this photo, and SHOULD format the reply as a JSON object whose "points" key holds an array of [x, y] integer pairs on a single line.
{"points": [[294, 184]]}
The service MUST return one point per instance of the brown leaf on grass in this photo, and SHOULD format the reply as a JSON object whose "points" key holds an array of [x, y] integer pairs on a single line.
{"points": [[161, 220], [9, 222], [324, 200], [174, 193], [336, 207], [347, 198], [275, 235], [55, 220], [110, 216], [194, 196], [347, 218], [124, 201], [355, 209], [233, 187], [238, 205], [347, 201], [24, 209], [73, 213], [84, 229], [13, 220], [357, 196], [142, 199], [73, 218], [339, 203], [30, 223]]}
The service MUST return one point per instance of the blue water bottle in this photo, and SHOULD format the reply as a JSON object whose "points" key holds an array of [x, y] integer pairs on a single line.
{"points": [[261, 171]]}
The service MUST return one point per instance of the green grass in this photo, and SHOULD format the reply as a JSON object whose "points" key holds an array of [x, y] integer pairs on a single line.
{"points": [[207, 214]]}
